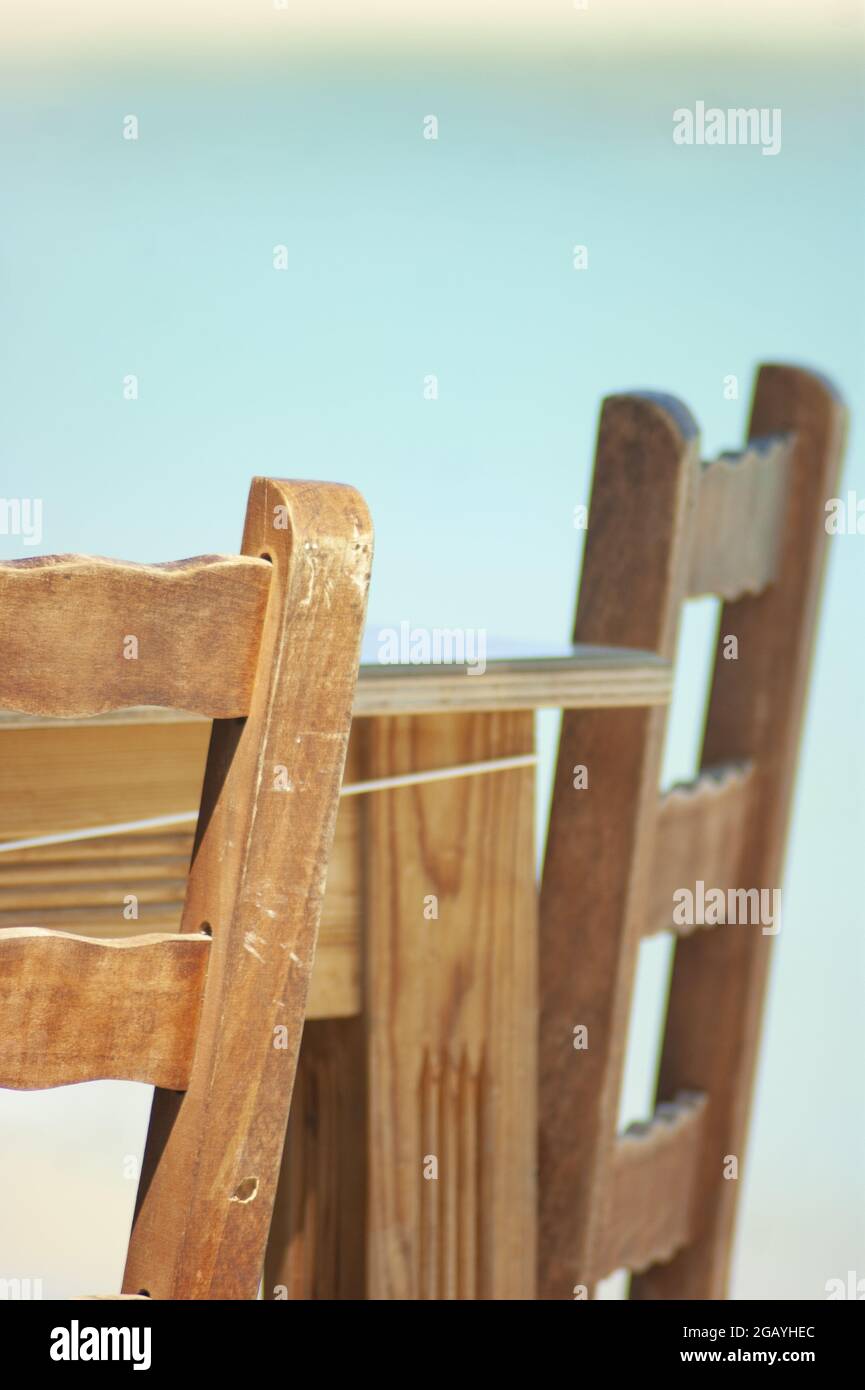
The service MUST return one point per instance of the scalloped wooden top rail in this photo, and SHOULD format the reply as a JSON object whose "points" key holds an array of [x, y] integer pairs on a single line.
{"points": [[739, 519], [77, 1009], [66, 624]]}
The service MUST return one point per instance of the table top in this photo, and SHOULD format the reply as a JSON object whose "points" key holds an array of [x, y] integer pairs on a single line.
{"points": [[569, 678], [580, 677]]}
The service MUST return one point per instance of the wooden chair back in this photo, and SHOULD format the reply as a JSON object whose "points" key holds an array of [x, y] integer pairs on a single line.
{"points": [[267, 644], [660, 1200]]}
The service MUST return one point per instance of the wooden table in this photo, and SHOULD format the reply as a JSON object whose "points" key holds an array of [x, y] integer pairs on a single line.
{"points": [[409, 1168]]}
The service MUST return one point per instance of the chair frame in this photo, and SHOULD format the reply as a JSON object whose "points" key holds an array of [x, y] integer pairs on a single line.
{"points": [[268, 644], [660, 1201]]}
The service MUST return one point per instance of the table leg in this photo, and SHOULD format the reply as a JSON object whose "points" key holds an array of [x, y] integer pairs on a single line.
{"points": [[316, 1246], [426, 1189]]}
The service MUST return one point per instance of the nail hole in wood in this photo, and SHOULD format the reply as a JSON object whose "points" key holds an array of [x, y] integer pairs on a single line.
{"points": [[246, 1191]]}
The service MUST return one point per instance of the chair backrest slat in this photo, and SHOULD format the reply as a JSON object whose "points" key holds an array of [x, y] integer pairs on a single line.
{"points": [[81, 636], [699, 836], [650, 1189], [79, 1009], [739, 514]]}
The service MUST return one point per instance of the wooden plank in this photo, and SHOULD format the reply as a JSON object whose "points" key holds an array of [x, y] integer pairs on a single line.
{"points": [[92, 855], [133, 714], [82, 635], [32, 876], [755, 713], [59, 895], [101, 923], [450, 1013], [699, 836], [737, 527], [56, 779], [257, 877], [335, 989], [317, 1243], [587, 678], [598, 859], [649, 1195], [67, 776], [77, 1009]]}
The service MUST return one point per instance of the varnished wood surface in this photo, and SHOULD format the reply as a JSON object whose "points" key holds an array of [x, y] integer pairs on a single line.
{"points": [[66, 775], [122, 885], [317, 1245], [82, 635], [257, 877], [75, 1009], [55, 778], [450, 1009], [443, 1056], [585, 678]]}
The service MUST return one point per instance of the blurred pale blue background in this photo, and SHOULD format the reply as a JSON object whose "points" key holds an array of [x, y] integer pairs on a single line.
{"points": [[304, 127]]}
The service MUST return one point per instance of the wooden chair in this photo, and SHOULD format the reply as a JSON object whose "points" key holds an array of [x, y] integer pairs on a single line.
{"points": [[266, 644], [660, 1200]]}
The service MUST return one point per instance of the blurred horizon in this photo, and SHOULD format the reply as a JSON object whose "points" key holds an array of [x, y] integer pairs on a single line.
{"points": [[49, 28]]}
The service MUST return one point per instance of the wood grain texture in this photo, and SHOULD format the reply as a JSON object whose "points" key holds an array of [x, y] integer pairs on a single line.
{"points": [[93, 896], [450, 1012], [719, 975], [598, 858], [257, 877], [649, 1192], [317, 1244], [699, 835], [59, 779], [589, 677], [336, 989], [66, 624], [77, 1009], [755, 713], [54, 779], [112, 886], [737, 527]]}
